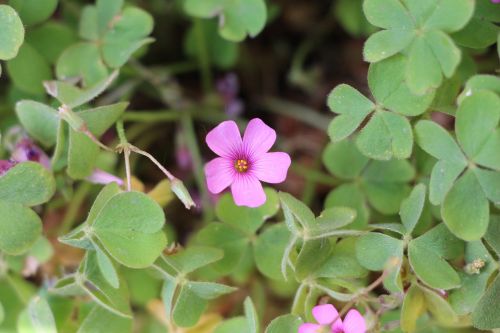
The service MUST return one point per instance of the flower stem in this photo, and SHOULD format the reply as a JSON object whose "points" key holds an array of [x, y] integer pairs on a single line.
{"points": [[125, 147], [203, 56], [192, 143], [73, 208]]}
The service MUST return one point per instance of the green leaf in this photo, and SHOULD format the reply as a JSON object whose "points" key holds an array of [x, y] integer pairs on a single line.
{"points": [[350, 195], [39, 120], [20, 228], [37, 318], [269, 250], [342, 263], [296, 210], [450, 15], [445, 51], [436, 141], [82, 60], [234, 26], [11, 32], [486, 315], [192, 258], [42, 37], [439, 307], [387, 14], [188, 307], [249, 220], [489, 155], [99, 119], [329, 221], [490, 183], [432, 268], [465, 209], [387, 135], [284, 324], [236, 324], [441, 241], [374, 250], [232, 241], [88, 28], [412, 207], [394, 94], [492, 236], [27, 183], [130, 228], [394, 171], [350, 15], [477, 34], [352, 106], [464, 299], [386, 43], [423, 71], [477, 118], [126, 36], [413, 307], [28, 70], [311, 257], [209, 290], [107, 10], [107, 268], [95, 320], [34, 11], [344, 160], [443, 177], [82, 155], [96, 286], [251, 314], [107, 192]]}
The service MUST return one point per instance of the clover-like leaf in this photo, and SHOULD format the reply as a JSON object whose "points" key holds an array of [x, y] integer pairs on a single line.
{"points": [[374, 250], [129, 226], [284, 324], [412, 208], [432, 268], [269, 250], [486, 315], [38, 314], [20, 227], [238, 18], [11, 32], [419, 29], [27, 183], [29, 69], [39, 120], [33, 11], [97, 316], [82, 60]]}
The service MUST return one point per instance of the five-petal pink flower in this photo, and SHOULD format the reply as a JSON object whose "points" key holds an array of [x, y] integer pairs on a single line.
{"points": [[325, 315], [243, 163]]}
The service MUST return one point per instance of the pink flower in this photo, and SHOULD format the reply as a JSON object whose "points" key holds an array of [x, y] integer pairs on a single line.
{"points": [[495, 1], [26, 150], [325, 315], [99, 176], [243, 164], [6, 165]]}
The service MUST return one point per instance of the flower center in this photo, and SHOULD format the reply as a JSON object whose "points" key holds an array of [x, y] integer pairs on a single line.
{"points": [[241, 166]]}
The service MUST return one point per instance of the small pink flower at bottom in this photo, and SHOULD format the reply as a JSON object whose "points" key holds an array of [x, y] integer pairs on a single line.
{"points": [[325, 315], [244, 163]]}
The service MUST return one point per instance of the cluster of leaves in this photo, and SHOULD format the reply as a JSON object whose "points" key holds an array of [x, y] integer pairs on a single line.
{"points": [[416, 205]]}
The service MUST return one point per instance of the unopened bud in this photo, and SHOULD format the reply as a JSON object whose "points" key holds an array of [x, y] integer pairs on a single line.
{"points": [[182, 193]]}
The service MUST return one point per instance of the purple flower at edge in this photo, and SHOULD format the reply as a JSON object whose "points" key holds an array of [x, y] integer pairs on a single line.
{"points": [[495, 1], [325, 315], [243, 163]]}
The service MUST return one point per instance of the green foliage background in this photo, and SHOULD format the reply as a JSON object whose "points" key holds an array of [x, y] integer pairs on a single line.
{"points": [[398, 215]]}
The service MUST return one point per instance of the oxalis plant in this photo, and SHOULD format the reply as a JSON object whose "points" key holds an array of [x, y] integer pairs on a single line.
{"points": [[100, 235]]}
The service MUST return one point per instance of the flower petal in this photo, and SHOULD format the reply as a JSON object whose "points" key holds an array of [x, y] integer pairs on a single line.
{"points": [[354, 322], [258, 138], [225, 139], [324, 314], [220, 174], [272, 167], [247, 191], [309, 328]]}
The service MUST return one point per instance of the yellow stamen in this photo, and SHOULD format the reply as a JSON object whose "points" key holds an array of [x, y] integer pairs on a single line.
{"points": [[241, 165]]}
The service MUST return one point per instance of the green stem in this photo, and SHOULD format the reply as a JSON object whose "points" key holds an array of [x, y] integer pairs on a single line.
{"points": [[296, 111], [192, 143], [203, 56], [73, 208]]}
